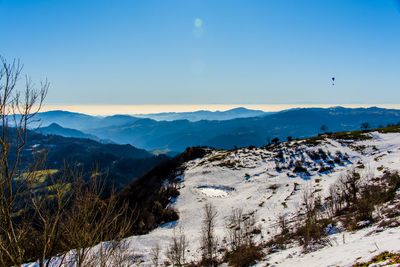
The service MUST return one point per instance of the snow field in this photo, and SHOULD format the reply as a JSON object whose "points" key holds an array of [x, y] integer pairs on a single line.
{"points": [[248, 179]]}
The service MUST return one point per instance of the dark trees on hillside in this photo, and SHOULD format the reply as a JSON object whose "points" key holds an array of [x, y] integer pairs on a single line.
{"points": [[275, 140], [268, 140], [154, 190], [365, 126], [324, 128]]}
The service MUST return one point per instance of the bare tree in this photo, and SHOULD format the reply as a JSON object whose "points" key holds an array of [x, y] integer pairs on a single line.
{"points": [[155, 254], [39, 225], [350, 186], [310, 228], [335, 199], [282, 238], [249, 223], [177, 249], [121, 257], [235, 229], [91, 220], [283, 224], [49, 209], [308, 202], [208, 238], [241, 228], [18, 107], [111, 253]]}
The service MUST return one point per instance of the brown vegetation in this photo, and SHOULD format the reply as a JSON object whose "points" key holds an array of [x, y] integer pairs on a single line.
{"points": [[38, 225], [241, 230]]}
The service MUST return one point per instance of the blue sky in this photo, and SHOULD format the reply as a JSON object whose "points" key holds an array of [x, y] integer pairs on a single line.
{"points": [[207, 51]]}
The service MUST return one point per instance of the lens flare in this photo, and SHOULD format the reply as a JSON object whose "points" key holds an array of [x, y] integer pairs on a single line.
{"points": [[198, 22]]}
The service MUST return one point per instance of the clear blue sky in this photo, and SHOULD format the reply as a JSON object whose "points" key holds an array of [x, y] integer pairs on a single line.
{"points": [[207, 51]]}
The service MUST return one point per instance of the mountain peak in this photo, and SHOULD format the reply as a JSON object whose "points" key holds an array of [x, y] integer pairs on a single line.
{"points": [[55, 126]]}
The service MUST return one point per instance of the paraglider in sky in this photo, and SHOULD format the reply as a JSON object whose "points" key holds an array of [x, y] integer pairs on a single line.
{"points": [[333, 80]]}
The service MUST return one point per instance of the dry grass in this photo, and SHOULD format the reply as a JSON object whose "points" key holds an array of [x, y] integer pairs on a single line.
{"points": [[386, 258]]}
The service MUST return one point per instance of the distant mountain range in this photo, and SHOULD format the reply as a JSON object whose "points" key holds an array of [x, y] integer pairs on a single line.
{"points": [[56, 129], [205, 115], [178, 134], [80, 121], [83, 122]]}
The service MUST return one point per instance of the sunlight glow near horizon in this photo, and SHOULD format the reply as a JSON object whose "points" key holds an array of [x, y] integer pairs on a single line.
{"points": [[106, 110]]}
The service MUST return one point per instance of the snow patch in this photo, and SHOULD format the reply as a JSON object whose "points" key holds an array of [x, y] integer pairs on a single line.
{"points": [[215, 191]]}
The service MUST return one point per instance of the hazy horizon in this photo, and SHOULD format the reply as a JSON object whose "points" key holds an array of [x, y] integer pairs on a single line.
{"points": [[105, 110]]}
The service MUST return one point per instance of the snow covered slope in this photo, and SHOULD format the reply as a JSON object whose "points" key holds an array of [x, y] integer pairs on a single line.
{"points": [[263, 182], [269, 182]]}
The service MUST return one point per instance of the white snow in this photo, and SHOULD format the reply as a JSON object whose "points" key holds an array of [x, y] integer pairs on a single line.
{"points": [[346, 249], [248, 179], [214, 190]]}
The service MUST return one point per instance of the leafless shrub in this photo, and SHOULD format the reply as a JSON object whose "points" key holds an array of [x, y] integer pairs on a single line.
{"points": [[280, 240], [49, 211], [283, 224], [235, 229], [155, 254], [17, 110], [241, 229], [312, 227], [177, 249], [208, 238], [43, 225], [110, 253], [244, 256], [334, 199], [350, 186], [91, 220]]}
